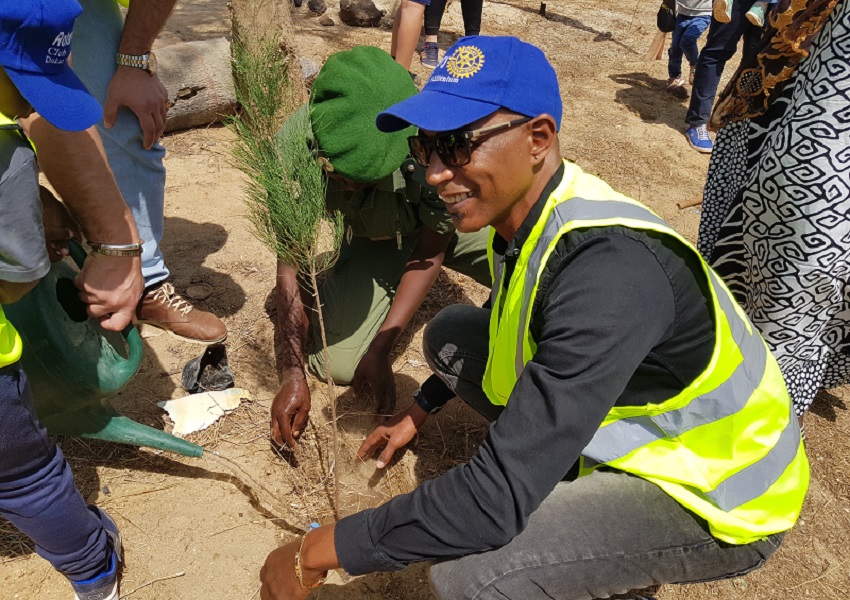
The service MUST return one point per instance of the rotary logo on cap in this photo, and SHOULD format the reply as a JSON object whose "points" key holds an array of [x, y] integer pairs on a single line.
{"points": [[465, 62]]}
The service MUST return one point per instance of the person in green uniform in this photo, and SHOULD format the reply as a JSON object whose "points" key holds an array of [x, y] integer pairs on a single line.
{"points": [[398, 235]]}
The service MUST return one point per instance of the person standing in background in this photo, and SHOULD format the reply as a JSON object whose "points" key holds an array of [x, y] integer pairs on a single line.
{"points": [[720, 45], [407, 25], [429, 54], [692, 19]]}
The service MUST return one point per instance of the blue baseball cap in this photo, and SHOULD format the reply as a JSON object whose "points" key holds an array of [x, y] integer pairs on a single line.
{"points": [[35, 43], [479, 75]]}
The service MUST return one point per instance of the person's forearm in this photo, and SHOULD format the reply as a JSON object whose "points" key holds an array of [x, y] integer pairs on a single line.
{"points": [[319, 552], [11, 291], [75, 164], [292, 320], [145, 19], [418, 277]]}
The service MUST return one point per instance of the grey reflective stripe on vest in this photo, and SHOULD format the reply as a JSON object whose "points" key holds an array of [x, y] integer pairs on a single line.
{"points": [[574, 209], [754, 480], [498, 284]]}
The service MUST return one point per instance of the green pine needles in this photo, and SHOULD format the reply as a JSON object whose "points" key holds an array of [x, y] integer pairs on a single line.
{"points": [[286, 186]]}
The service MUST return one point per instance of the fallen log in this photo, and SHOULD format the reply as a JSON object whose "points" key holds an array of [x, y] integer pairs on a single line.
{"points": [[199, 81]]}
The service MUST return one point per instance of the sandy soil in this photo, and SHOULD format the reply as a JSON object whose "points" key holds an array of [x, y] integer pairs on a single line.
{"points": [[195, 530]]}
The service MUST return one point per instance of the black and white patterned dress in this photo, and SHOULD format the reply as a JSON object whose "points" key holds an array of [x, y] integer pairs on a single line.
{"points": [[776, 217]]}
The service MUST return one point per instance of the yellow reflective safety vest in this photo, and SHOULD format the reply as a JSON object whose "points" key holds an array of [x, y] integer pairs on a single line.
{"points": [[728, 447], [11, 345]]}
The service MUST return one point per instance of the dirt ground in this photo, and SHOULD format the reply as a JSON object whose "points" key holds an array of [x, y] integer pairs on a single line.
{"points": [[195, 530]]}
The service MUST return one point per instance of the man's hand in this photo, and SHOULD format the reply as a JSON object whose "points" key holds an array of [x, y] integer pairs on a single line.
{"points": [[142, 93], [111, 287], [290, 409], [388, 438], [278, 575], [375, 370], [318, 556]]}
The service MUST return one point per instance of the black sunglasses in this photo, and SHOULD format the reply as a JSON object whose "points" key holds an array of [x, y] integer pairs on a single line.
{"points": [[455, 147]]}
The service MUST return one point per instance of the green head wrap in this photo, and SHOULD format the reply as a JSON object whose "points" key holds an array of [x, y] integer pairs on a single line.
{"points": [[348, 93]]}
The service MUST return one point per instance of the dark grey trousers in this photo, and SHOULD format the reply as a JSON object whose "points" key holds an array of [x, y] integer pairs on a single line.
{"points": [[595, 537]]}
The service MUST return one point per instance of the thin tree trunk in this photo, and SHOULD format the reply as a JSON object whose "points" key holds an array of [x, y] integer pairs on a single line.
{"points": [[331, 391]]}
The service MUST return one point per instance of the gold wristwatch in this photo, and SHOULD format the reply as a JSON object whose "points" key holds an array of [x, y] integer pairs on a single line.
{"points": [[145, 62]]}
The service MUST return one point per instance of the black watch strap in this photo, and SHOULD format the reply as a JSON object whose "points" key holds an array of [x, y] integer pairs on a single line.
{"points": [[420, 399]]}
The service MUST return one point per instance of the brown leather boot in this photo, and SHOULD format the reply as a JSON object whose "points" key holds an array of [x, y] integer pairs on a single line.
{"points": [[162, 307]]}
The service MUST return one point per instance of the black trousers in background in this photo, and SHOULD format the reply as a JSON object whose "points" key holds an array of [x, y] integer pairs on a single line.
{"points": [[720, 45], [470, 9]]}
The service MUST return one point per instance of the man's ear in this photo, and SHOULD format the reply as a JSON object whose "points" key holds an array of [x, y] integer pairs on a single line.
{"points": [[544, 137]]}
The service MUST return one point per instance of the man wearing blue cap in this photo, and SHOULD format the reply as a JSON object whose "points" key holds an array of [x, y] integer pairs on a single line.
{"points": [[641, 432], [37, 491]]}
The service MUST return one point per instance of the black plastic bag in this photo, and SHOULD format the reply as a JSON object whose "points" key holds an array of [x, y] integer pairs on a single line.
{"points": [[208, 372]]}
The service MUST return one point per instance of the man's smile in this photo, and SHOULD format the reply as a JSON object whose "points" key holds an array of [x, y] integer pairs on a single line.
{"points": [[455, 198]]}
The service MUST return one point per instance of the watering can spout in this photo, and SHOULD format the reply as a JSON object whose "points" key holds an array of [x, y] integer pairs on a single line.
{"points": [[99, 422]]}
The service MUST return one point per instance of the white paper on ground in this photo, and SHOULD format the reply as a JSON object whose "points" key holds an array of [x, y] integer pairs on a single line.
{"points": [[198, 411]]}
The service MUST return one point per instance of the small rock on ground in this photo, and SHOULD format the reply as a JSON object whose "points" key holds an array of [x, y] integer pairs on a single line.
{"points": [[317, 7], [360, 13]]}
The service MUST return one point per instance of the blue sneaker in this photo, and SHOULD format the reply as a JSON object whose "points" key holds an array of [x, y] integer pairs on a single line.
{"points": [[429, 55], [105, 585], [699, 139]]}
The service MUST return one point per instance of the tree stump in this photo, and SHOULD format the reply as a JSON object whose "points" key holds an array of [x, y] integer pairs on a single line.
{"points": [[199, 81]]}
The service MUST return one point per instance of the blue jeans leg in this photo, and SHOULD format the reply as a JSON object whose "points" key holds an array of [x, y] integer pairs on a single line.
{"points": [[674, 53], [720, 45], [691, 32], [140, 173], [37, 491]]}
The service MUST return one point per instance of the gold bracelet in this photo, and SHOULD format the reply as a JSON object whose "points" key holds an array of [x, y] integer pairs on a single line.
{"points": [[300, 574]]}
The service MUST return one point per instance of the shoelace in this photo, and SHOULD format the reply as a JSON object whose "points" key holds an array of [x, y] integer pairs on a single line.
{"points": [[702, 133], [169, 297]]}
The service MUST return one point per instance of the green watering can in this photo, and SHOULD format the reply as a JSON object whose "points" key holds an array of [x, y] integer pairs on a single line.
{"points": [[73, 364]]}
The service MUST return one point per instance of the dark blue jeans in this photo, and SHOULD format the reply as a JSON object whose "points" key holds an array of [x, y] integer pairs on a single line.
{"points": [[37, 491], [720, 45], [603, 534], [688, 31]]}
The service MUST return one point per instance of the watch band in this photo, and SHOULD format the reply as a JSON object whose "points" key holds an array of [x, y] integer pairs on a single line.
{"points": [[422, 402], [146, 62], [117, 249]]}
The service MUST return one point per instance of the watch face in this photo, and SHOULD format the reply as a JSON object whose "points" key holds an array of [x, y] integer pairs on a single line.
{"points": [[152, 63]]}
